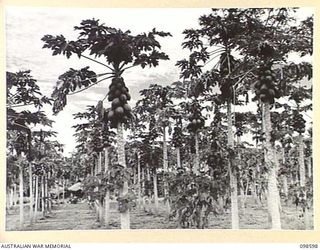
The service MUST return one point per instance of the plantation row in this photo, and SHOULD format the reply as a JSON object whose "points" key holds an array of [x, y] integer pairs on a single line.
{"points": [[236, 125]]}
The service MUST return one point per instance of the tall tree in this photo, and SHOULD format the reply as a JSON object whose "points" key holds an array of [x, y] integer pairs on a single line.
{"points": [[121, 51]]}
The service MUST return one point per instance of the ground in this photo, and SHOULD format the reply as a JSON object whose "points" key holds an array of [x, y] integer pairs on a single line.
{"points": [[81, 216]]}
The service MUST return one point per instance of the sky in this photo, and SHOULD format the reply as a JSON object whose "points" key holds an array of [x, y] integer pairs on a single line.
{"points": [[26, 26]]}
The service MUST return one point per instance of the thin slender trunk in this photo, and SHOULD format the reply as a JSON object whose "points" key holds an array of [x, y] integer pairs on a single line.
{"points": [[178, 158], [246, 193], [14, 194], [134, 176], [21, 195], [11, 197], [197, 158], [285, 185], [42, 197], [273, 192], [165, 169], [124, 217], [63, 189], [302, 174], [277, 165], [232, 175], [36, 205], [48, 193], [148, 174], [31, 192], [107, 195], [309, 165], [100, 162], [59, 180], [242, 191], [139, 181], [143, 189], [155, 191], [302, 171]]}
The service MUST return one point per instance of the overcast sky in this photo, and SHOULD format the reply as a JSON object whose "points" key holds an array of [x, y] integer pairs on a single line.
{"points": [[26, 26]]}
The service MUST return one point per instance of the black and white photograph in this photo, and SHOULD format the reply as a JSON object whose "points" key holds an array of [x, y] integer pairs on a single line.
{"points": [[159, 118]]}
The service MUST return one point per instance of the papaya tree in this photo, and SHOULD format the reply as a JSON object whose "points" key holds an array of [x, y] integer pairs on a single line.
{"points": [[120, 50], [216, 38], [156, 108]]}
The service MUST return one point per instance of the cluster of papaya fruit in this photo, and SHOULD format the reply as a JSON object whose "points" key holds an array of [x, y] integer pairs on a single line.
{"points": [[196, 121], [266, 90], [118, 96], [298, 123]]}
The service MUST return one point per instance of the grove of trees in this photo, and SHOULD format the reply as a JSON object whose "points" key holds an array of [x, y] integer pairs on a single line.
{"points": [[235, 127]]}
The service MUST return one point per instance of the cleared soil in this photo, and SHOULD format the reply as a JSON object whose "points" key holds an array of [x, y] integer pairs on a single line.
{"points": [[81, 216]]}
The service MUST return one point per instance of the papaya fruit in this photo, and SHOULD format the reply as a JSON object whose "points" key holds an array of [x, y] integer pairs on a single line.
{"points": [[264, 87], [119, 85], [110, 115], [257, 85], [112, 87], [271, 93], [277, 93], [117, 93], [119, 111], [263, 97], [262, 78], [269, 78], [115, 103], [110, 97], [124, 90], [127, 107], [123, 98], [128, 96]]}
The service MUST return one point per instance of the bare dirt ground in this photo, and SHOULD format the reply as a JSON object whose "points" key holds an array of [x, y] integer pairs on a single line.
{"points": [[81, 217]]}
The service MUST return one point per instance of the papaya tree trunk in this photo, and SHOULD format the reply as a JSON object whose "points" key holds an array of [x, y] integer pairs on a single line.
{"points": [[165, 169], [197, 158], [155, 191], [21, 195], [285, 185], [302, 171], [100, 162], [63, 189], [232, 174], [302, 174], [273, 192], [277, 165], [309, 166], [125, 216], [36, 198], [178, 158], [11, 197], [42, 196], [107, 195], [15, 198], [139, 181], [31, 192], [48, 203]]}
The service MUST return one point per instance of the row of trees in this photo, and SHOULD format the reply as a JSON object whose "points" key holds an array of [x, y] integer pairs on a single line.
{"points": [[35, 163]]}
